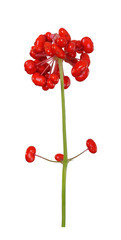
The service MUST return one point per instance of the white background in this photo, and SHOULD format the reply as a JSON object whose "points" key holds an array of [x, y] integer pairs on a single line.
{"points": [[30, 201]]}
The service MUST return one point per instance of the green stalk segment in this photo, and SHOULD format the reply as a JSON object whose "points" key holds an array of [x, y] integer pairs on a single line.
{"points": [[64, 144]]}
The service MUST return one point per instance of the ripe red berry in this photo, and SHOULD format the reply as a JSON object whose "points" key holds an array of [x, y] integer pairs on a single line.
{"points": [[67, 82], [38, 79], [39, 44], [50, 84], [48, 48], [87, 44], [34, 54], [78, 68], [65, 34], [92, 147], [49, 36], [54, 78], [71, 55], [30, 154], [61, 41], [79, 47], [59, 157], [85, 57], [71, 47], [40, 40], [83, 75], [58, 51], [30, 66], [45, 87]]}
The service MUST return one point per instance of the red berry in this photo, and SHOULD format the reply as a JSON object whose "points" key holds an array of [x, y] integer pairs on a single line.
{"points": [[71, 47], [65, 34], [30, 154], [34, 54], [39, 43], [71, 54], [79, 47], [40, 40], [58, 51], [30, 66], [92, 147], [38, 79], [54, 78], [59, 157], [61, 41], [48, 48], [85, 57], [78, 68], [67, 82], [39, 48], [87, 44], [45, 87], [49, 36], [83, 75], [50, 84]]}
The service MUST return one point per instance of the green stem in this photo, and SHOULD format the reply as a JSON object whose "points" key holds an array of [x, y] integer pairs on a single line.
{"points": [[64, 145]]}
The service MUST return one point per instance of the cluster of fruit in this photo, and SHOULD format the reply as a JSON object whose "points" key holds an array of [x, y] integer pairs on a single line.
{"points": [[31, 151], [46, 51]]}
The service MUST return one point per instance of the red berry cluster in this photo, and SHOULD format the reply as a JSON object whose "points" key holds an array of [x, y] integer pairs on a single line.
{"points": [[31, 151], [46, 51]]}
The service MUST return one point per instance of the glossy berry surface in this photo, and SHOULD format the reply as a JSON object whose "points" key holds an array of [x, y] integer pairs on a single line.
{"points": [[54, 78], [63, 33], [85, 57], [59, 157], [61, 41], [30, 67], [83, 75], [87, 44], [57, 51], [38, 79], [78, 68], [67, 82], [50, 84], [30, 154], [92, 147]]}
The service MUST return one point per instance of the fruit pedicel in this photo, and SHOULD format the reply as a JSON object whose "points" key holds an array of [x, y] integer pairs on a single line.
{"points": [[48, 53]]}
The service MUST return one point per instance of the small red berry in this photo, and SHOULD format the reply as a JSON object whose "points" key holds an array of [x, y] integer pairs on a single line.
{"points": [[49, 36], [48, 48], [38, 79], [59, 157], [61, 41], [85, 57], [78, 68], [65, 34], [83, 75], [58, 51], [54, 78], [30, 154], [71, 55], [71, 47], [67, 82], [45, 87], [50, 84], [87, 44], [92, 147], [30, 66], [39, 43], [40, 40], [79, 47], [34, 54]]}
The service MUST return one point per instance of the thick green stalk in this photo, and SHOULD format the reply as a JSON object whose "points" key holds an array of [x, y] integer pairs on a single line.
{"points": [[64, 145]]}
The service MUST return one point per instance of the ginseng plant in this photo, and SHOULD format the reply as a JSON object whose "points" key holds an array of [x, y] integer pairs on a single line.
{"points": [[49, 51]]}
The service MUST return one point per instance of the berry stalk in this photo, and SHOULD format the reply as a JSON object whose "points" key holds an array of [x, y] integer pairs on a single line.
{"points": [[64, 144]]}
